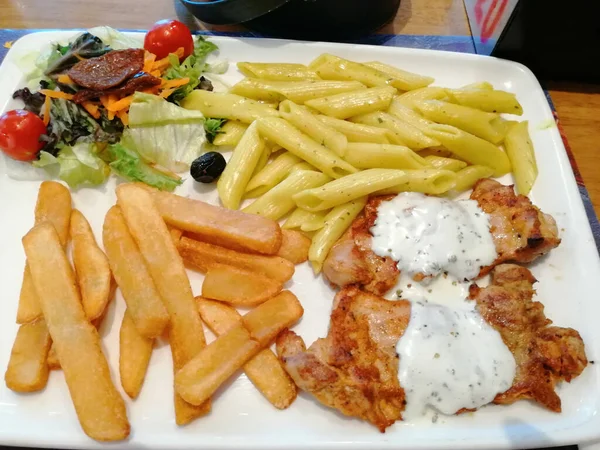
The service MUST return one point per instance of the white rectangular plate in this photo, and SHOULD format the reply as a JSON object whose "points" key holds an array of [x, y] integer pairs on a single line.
{"points": [[241, 418]]}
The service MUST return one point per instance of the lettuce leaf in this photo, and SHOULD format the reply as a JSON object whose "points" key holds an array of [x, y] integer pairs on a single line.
{"points": [[164, 133], [77, 165], [128, 164], [116, 39]]}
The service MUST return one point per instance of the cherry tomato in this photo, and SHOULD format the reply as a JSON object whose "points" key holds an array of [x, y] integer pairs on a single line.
{"points": [[166, 36], [20, 133]]}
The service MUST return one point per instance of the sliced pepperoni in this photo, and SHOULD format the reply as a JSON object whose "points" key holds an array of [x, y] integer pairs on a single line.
{"points": [[139, 82], [108, 70]]}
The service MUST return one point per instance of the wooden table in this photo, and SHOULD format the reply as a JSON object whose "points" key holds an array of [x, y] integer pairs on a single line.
{"points": [[577, 105]]}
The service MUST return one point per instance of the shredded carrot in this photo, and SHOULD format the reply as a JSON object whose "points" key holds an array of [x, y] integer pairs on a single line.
{"points": [[112, 98], [120, 104], [168, 84], [123, 116], [91, 108], [166, 92], [64, 79], [56, 94], [149, 61], [104, 101], [111, 115], [47, 105], [155, 73], [164, 63], [152, 90]]}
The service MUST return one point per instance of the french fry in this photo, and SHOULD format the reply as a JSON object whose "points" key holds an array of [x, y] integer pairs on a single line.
{"points": [[53, 205], [175, 235], [294, 246], [210, 368], [53, 362], [266, 321], [100, 408], [166, 268], [219, 226], [238, 286], [144, 303], [134, 356], [202, 256], [264, 369], [27, 368], [91, 267]]}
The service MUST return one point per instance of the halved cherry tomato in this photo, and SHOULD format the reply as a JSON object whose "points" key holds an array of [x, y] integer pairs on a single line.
{"points": [[20, 133], [166, 36]]}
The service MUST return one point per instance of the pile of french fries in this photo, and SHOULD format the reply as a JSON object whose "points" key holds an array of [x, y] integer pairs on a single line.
{"points": [[149, 237]]}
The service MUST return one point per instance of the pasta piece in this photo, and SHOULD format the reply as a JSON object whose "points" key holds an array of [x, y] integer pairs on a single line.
{"points": [[408, 115], [401, 133], [470, 148], [234, 179], [302, 166], [356, 132], [409, 98], [354, 103], [277, 202], [439, 162], [231, 133], [305, 220], [227, 106], [271, 174], [263, 160], [283, 133], [522, 157], [401, 79], [301, 118], [349, 188], [426, 181], [336, 224], [370, 156], [491, 101], [471, 120], [295, 91], [479, 86], [335, 68], [467, 177], [277, 71]]}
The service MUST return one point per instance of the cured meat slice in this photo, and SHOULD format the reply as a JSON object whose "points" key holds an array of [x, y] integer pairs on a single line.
{"points": [[108, 70]]}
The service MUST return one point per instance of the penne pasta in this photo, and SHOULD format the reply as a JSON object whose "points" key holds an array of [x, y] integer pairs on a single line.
{"points": [[302, 166], [231, 133], [301, 118], [370, 156], [409, 98], [471, 120], [439, 162], [271, 174], [401, 79], [522, 157], [467, 177], [277, 71], [330, 67], [470, 148], [283, 133], [234, 179], [487, 100], [401, 133], [479, 86], [426, 181], [356, 132], [277, 202], [263, 160], [408, 115], [295, 91], [349, 188], [227, 106], [354, 103], [305, 220], [336, 223]]}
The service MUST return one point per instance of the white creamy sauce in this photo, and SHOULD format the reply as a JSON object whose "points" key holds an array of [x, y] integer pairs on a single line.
{"points": [[431, 235], [450, 359], [443, 290]]}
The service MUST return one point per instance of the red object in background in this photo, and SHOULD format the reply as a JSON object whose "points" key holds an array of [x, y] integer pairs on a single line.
{"points": [[20, 133], [488, 22], [166, 36]]}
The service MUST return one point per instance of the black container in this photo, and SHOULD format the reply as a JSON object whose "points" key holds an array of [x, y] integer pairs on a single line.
{"points": [[299, 19]]}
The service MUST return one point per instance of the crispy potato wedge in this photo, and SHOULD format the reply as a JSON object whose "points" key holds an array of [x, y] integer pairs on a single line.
{"points": [[100, 408], [91, 267], [144, 303], [294, 246], [202, 256], [54, 206], [264, 369], [166, 268], [238, 286], [219, 226], [210, 368], [27, 368], [266, 321], [135, 351]]}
